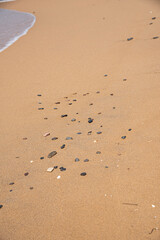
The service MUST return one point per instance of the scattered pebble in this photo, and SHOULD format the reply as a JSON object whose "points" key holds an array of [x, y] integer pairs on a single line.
{"points": [[99, 132], [63, 146], [76, 160], [50, 169], [64, 115], [90, 104], [83, 174], [106, 166], [123, 137], [57, 103], [39, 95], [58, 177], [24, 138], [153, 206], [46, 134], [55, 167], [45, 118], [79, 133], [73, 119], [26, 174], [124, 79], [55, 108], [69, 103], [153, 18], [130, 129], [62, 169], [99, 113], [150, 23], [98, 152], [74, 100], [90, 120], [105, 75], [31, 188], [39, 103], [10, 190], [98, 92], [89, 133], [111, 94], [114, 108], [155, 37], [54, 138], [1, 206], [86, 160], [51, 154], [41, 158], [31, 161], [40, 108], [69, 138], [11, 183], [129, 39]]}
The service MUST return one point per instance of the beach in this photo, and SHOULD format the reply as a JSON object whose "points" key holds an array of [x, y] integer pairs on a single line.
{"points": [[80, 121]]}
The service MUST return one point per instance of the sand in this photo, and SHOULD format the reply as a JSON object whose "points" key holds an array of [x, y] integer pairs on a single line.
{"points": [[72, 45]]}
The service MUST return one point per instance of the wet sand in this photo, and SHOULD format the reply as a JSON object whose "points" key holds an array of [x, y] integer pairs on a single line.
{"points": [[84, 82]]}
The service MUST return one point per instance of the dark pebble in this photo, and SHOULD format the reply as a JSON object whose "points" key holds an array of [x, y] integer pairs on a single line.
{"points": [[17, 157], [98, 152], [62, 169], [69, 103], [55, 108], [63, 146], [79, 133], [129, 39], [45, 118], [114, 108], [83, 174], [26, 174], [11, 183], [39, 103], [86, 160], [40, 108], [153, 18], [1, 205], [77, 113], [99, 132], [105, 75], [41, 158], [10, 190], [90, 104], [151, 23], [111, 94], [24, 138], [101, 126], [55, 167], [31, 188], [98, 92], [54, 138], [51, 154], [57, 103], [64, 115], [99, 113], [106, 166], [89, 133], [124, 79], [69, 138], [155, 37], [130, 129], [90, 120], [39, 95], [123, 137], [76, 160], [66, 97], [73, 119], [74, 100]]}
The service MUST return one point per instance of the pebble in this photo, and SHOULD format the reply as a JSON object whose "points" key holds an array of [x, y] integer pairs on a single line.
{"points": [[90, 120], [106, 166], [31, 188], [73, 119], [76, 160], [1, 205], [39, 95], [153, 18], [51, 154], [24, 138], [62, 169], [45, 118], [130, 129], [105, 75], [98, 152], [41, 158], [83, 174], [40, 108], [89, 133], [155, 37], [150, 23], [124, 79], [54, 138], [114, 108], [11, 183], [55, 108], [46, 134], [69, 103], [26, 174], [50, 169], [74, 100], [10, 190], [123, 137], [99, 113], [90, 104], [79, 133], [57, 103], [39, 103], [86, 160], [55, 167], [58, 177], [111, 94], [129, 39], [63, 146], [64, 115], [69, 138], [99, 132], [98, 92]]}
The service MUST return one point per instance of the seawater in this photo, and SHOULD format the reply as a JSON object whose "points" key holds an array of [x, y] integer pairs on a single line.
{"points": [[13, 25]]}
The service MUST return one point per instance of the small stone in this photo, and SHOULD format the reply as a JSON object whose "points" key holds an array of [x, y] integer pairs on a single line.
{"points": [[31, 161], [26, 174], [50, 169], [153, 206], [31, 188], [74, 100], [83, 174], [155, 37], [77, 113], [99, 132], [55, 167], [124, 79], [150, 23], [58, 177], [46, 134], [86, 160], [1, 206], [105, 75], [51, 154], [74, 93], [106, 166], [40, 108], [130, 129], [98, 92], [65, 97], [57, 103], [129, 39], [153, 18], [39, 95], [89, 133], [55, 108], [63, 146], [64, 115], [62, 169], [41, 158], [79, 133], [10, 190], [69, 138], [99, 113], [98, 152], [45, 118], [54, 138], [90, 120], [123, 137], [24, 138], [11, 183], [114, 108], [39, 103], [111, 94], [73, 119], [76, 160], [69, 103]]}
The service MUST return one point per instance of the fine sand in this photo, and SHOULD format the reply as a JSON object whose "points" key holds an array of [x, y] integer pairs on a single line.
{"points": [[65, 58]]}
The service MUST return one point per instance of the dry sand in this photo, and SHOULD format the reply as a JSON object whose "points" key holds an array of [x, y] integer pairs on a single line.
{"points": [[72, 45]]}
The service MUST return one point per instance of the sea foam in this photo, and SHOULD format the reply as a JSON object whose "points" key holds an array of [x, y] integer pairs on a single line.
{"points": [[13, 25]]}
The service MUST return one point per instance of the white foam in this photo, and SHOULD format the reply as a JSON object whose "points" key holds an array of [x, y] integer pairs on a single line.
{"points": [[11, 40]]}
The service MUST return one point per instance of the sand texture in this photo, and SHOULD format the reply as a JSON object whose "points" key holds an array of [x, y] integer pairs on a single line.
{"points": [[84, 83]]}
